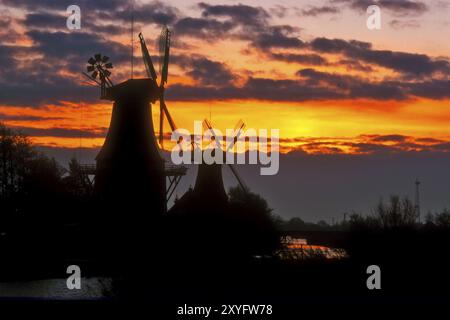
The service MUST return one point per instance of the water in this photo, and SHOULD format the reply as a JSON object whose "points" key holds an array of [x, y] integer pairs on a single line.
{"points": [[91, 288], [299, 249]]}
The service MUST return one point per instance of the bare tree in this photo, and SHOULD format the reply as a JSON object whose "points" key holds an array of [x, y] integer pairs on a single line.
{"points": [[15, 152]]}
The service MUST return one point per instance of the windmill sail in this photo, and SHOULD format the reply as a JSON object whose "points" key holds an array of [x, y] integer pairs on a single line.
{"points": [[239, 127], [164, 47], [169, 117], [147, 59], [238, 177]]}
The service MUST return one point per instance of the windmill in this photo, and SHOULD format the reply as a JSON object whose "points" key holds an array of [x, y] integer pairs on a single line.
{"points": [[237, 229], [131, 128], [97, 68], [239, 127], [130, 155], [209, 190], [164, 49]]}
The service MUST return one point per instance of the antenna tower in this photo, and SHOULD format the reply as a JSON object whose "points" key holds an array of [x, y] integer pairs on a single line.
{"points": [[417, 200], [132, 33]]}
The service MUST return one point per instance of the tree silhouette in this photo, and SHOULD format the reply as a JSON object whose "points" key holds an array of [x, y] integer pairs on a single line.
{"points": [[30, 183], [15, 153], [253, 222]]}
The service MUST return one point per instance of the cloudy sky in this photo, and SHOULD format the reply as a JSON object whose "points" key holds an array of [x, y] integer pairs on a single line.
{"points": [[310, 68]]}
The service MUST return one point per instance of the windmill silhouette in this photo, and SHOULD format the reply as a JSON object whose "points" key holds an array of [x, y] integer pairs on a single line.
{"points": [[131, 134], [209, 191], [203, 168], [164, 49], [98, 66]]}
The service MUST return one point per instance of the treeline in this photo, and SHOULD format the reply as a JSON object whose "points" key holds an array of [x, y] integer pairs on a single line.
{"points": [[34, 187], [298, 224], [396, 213]]}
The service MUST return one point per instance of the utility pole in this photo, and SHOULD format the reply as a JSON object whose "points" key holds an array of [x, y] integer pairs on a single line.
{"points": [[132, 43], [417, 200]]}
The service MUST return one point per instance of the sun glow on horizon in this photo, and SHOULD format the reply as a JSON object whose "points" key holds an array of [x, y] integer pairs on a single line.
{"points": [[329, 122]]}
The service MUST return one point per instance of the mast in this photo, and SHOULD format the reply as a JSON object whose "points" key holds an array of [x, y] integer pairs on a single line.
{"points": [[417, 200]]}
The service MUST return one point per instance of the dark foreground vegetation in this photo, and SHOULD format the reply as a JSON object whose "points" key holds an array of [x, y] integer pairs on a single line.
{"points": [[50, 215], [48, 221]]}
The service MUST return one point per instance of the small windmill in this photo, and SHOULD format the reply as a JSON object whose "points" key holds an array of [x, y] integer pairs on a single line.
{"points": [[238, 131], [97, 68], [209, 187], [164, 48]]}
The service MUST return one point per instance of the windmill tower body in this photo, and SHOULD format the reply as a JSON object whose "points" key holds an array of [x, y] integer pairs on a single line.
{"points": [[130, 176], [130, 179], [209, 184]]}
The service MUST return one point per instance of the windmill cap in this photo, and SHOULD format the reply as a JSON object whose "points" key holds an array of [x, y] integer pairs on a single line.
{"points": [[134, 89]]}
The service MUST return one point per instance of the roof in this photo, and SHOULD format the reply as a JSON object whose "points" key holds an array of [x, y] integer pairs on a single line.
{"points": [[134, 88]]}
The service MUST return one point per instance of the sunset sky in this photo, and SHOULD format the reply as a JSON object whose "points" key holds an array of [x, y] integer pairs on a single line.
{"points": [[309, 68]]}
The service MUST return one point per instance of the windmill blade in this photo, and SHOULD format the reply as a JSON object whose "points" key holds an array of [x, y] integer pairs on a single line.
{"points": [[108, 80], [104, 76], [147, 59], [164, 112], [164, 48], [193, 142], [91, 61], [90, 68], [98, 57], [162, 104], [239, 127], [194, 145], [161, 125], [105, 59], [207, 126], [109, 66], [238, 178], [94, 74]]}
